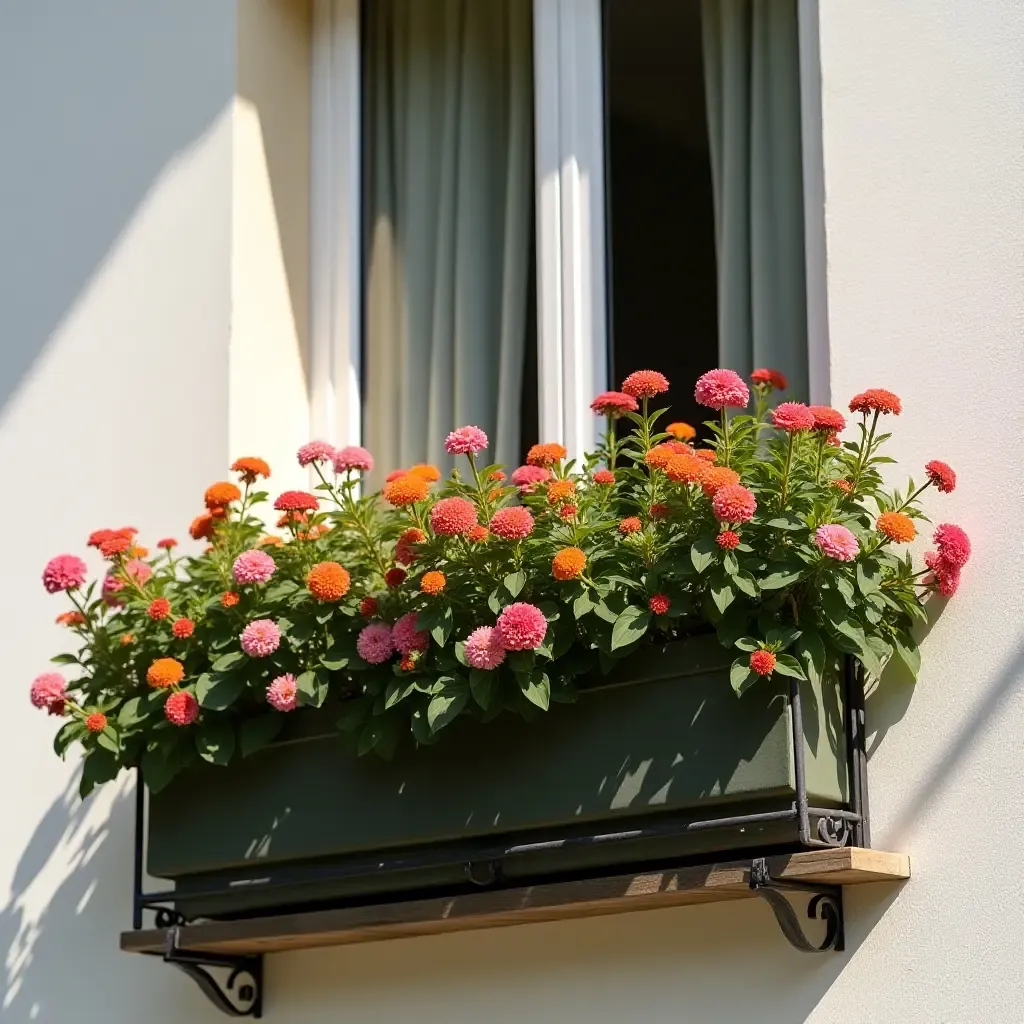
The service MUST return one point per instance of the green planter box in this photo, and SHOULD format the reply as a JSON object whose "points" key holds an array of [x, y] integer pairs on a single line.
{"points": [[665, 740]]}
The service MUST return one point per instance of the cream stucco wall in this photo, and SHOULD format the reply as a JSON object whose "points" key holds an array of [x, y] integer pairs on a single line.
{"points": [[149, 262]]}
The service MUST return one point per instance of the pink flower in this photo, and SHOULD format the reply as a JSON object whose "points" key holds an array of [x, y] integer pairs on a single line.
{"points": [[139, 571], [954, 545], [406, 637], [47, 690], [734, 504], [513, 523], [282, 693], [465, 441], [720, 388], [181, 708], [374, 644], [484, 649], [941, 475], [943, 574], [521, 627], [614, 404], [260, 638], [453, 516], [315, 451], [793, 417], [254, 567], [836, 542], [352, 458], [111, 586], [526, 478], [65, 572], [645, 384]]}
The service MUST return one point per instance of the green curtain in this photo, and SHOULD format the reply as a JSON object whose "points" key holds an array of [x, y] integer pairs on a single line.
{"points": [[448, 142], [752, 83]]}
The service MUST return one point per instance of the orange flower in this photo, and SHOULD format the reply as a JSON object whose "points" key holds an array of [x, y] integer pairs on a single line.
{"points": [[897, 527], [429, 473], [159, 608], [136, 552], [271, 540], [406, 490], [658, 456], [127, 638], [477, 534], [220, 494], [74, 618], [433, 582], [546, 454], [291, 518], [686, 469], [202, 527], [707, 454], [165, 672], [630, 525], [681, 431], [328, 581], [229, 599], [718, 476], [561, 491], [250, 468], [568, 564]]}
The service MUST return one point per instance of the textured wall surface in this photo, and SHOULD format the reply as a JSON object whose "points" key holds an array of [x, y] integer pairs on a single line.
{"points": [[122, 124]]}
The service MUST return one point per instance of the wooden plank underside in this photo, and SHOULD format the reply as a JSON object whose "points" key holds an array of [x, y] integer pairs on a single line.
{"points": [[556, 901]]}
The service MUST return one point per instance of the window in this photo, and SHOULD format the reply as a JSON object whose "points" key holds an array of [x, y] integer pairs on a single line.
{"points": [[661, 222]]}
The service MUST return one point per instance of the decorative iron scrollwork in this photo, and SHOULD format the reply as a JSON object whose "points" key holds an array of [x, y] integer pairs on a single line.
{"points": [[240, 994], [834, 831], [826, 904]]}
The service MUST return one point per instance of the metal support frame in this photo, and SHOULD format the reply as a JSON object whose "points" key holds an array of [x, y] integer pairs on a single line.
{"points": [[826, 904]]}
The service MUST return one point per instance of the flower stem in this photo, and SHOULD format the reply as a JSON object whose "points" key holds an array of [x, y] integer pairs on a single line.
{"points": [[725, 434], [786, 471]]}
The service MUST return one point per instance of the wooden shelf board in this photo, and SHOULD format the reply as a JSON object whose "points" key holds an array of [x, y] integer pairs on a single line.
{"points": [[556, 901]]}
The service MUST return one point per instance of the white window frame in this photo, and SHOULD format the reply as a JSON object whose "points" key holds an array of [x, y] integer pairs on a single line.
{"points": [[573, 351]]}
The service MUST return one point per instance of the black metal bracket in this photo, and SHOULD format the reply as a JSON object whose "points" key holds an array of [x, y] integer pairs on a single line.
{"points": [[240, 994], [826, 904]]}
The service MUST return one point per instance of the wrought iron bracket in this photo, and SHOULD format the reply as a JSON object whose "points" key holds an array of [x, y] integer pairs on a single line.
{"points": [[239, 995], [825, 904]]}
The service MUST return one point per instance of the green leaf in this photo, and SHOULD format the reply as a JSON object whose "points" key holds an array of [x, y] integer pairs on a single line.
{"points": [[67, 734], [494, 602], [256, 733], [702, 553], [583, 604], [312, 687], [910, 654], [721, 591], [746, 583], [460, 654], [227, 662], [782, 637], [138, 709], [324, 613], [630, 626], [397, 690], [537, 689], [443, 629], [514, 583], [421, 729], [787, 522], [778, 580], [157, 769], [109, 741], [810, 651], [65, 659], [447, 703], [215, 741], [279, 591], [740, 676], [218, 692], [481, 685], [333, 662], [98, 766], [747, 643], [729, 564], [868, 577], [787, 665]]}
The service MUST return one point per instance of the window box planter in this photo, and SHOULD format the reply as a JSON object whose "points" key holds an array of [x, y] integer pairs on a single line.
{"points": [[658, 761]]}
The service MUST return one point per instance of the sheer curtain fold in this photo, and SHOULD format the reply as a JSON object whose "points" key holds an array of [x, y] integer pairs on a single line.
{"points": [[449, 186], [752, 85]]}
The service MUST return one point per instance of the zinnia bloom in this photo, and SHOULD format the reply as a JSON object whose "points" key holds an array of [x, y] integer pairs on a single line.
{"points": [[568, 564], [645, 384], [395, 577], [630, 525], [296, 501], [260, 638], [139, 571], [659, 455], [115, 545], [659, 510], [451, 517], [48, 689], [843, 485], [734, 504], [707, 454], [762, 662], [96, 722], [328, 581], [544, 455], [165, 672], [877, 400], [659, 604], [72, 618], [352, 459], [477, 534], [836, 542], [954, 545], [405, 546], [220, 495], [484, 649], [614, 404], [772, 378], [567, 513], [792, 417], [429, 473], [827, 420], [315, 451], [253, 567], [229, 599], [604, 477], [167, 543], [521, 627], [374, 644], [561, 491], [720, 388], [941, 475], [158, 609], [944, 575], [201, 527], [433, 582], [181, 708], [513, 523], [686, 469], [282, 693], [681, 431], [718, 477], [727, 540], [897, 527], [64, 572], [526, 478], [250, 468], [406, 490], [406, 637], [183, 628], [368, 607], [465, 441]]}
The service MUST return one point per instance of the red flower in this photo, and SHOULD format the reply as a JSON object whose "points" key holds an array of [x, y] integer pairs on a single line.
{"points": [[159, 609], [613, 403], [645, 384], [167, 543], [368, 607], [630, 525], [183, 628], [727, 540], [876, 400], [96, 722], [297, 501], [604, 477], [707, 454], [659, 604], [941, 475], [762, 662], [659, 510], [181, 708], [772, 378], [827, 419], [512, 523], [395, 577], [451, 517], [229, 599], [734, 504], [115, 545]]}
